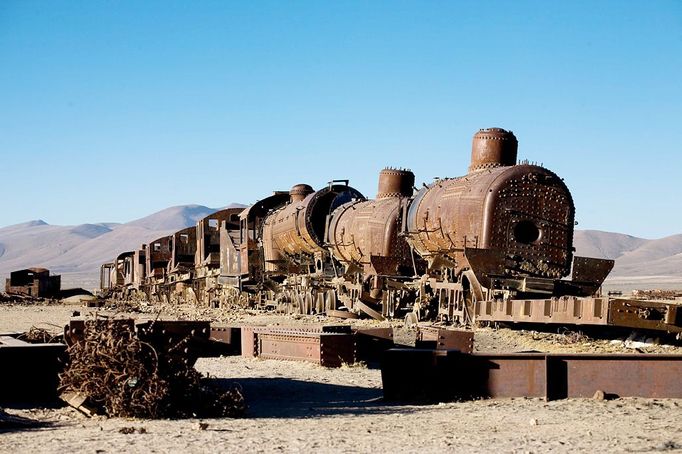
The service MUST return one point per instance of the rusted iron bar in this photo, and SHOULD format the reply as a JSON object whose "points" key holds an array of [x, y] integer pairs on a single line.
{"points": [[29, 371], [445, 339], [421, 374]]}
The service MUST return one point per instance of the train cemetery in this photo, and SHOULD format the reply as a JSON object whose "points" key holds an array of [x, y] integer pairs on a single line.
{"points": [[140, 375], [451, 317]]}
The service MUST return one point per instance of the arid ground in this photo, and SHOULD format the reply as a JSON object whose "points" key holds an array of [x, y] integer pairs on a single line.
{"points": [[301, 407]]}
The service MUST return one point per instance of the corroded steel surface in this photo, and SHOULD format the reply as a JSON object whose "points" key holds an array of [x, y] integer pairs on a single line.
{"points": [[157, 258], [395, 183], [493, 147], [442, 374], [328, 346], [525, 211], [208, 234], [595, 311], [371, 343], [183, 250], [296, 232], [639, 314], [367, 233], [445, 339], [568, 309]]}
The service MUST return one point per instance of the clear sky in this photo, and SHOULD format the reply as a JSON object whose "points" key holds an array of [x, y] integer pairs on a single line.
{"points": [[111, 110]]}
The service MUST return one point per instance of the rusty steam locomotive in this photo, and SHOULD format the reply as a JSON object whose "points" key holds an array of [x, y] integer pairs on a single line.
{"points": [[502, 232]]}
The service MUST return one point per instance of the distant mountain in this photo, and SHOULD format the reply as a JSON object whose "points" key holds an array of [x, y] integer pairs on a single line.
{"points": [[607, 245], [635, 257], [76, 252]]}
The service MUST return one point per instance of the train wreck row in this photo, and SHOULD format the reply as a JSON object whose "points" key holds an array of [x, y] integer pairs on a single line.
{"points": [[495, 245]]}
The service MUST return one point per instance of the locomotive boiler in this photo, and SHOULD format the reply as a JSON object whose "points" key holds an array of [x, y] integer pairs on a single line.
{"points": [[503, 226]]}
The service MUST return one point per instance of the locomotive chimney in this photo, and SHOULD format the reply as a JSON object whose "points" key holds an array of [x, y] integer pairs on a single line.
{"points": [[493, 147], [299, 192], [395, 183]]}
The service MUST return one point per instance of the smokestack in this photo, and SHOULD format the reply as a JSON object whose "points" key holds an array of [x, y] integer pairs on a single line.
{"points": [[493, 147], [395, 183], [300, 192]]}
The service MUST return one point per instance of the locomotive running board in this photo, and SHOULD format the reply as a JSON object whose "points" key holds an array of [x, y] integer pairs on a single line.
{"points": [[595, 311], [418, 374]]}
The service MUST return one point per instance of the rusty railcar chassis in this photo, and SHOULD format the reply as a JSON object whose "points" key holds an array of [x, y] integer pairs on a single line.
{"points": [[493, 245]]}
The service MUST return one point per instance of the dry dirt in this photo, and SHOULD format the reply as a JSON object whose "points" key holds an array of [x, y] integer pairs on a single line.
{"points": [[300, 407]]}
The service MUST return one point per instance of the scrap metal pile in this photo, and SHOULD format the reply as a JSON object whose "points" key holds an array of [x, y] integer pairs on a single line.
{"points": [[118, 371]]}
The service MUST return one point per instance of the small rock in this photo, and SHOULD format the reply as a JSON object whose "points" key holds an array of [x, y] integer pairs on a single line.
{"points": [[599, 395], [533, 422], [202, 425]]}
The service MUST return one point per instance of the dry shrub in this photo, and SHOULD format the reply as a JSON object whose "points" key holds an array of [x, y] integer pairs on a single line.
{"points": [[37, 336], [568, 337], [123, 376]]}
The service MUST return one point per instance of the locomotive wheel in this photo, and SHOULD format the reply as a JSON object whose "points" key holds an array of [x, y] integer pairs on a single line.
{"points": [[471, 293]]}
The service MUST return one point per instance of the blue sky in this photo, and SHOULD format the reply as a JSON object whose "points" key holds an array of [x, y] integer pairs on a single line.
{"points": [[112, 110]]}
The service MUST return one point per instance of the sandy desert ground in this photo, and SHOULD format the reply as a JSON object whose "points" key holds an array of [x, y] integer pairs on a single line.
{"points": [[300, 407]]}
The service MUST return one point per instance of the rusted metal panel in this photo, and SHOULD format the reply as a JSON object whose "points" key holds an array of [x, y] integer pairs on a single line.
{"points": [[596, 311], [208, 232], [158, 255], [414, 374], [445, 339], [251, 224], [653, 315], [75, 329], [294, 234], [191, 336], [371, 343], [563, 310], [500, 375], [248, 341], [366, 233], [447, 374], [183, 249], [329, 346], [327, 349], [642, 375], [29, 371]]}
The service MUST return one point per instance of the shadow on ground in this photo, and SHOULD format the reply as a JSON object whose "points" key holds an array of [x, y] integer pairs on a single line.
{"points": [[9, 423], [289, 398]]}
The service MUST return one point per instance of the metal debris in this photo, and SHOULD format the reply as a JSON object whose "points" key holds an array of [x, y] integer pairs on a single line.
{"points": [[120, 375]]}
